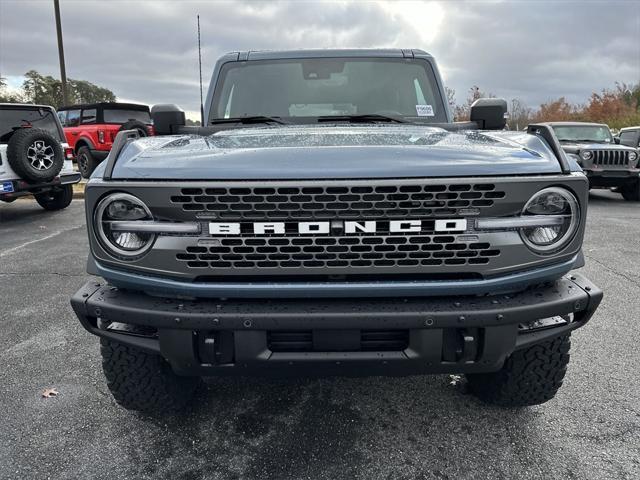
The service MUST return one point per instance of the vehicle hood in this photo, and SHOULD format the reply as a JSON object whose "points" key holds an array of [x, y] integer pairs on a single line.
{"points": [[570, 147], [334, 152]]}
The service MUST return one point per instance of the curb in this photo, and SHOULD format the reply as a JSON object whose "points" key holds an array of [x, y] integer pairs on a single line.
{"points": [[78, 189]]}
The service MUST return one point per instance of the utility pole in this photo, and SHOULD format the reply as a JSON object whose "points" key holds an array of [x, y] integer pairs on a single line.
{"points": [[63, 73], [202, 124]]}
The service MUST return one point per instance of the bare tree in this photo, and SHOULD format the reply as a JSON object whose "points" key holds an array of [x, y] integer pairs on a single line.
{"points": [[519, 114]]}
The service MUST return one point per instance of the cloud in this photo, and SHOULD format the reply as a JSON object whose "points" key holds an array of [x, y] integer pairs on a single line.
{"points": [[146, 51]]}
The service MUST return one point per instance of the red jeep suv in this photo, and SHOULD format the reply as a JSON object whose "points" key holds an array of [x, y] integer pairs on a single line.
{"points": [[91, 128]]}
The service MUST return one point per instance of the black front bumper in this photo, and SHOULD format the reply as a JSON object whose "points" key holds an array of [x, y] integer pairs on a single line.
{"points": [[387, 336], [599, 177], [22, 187]]}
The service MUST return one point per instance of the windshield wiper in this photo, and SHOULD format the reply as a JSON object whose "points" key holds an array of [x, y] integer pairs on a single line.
{"points": [[363, 118], [252, 119]]}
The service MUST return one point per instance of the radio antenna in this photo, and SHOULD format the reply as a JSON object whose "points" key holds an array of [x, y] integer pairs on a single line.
{"points": [[200, 69]]}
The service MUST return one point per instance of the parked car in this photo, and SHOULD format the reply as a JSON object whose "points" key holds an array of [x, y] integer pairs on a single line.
{"points": [[34, 157], [91, 128], [630, 136], [330, 218], [607, 164]]}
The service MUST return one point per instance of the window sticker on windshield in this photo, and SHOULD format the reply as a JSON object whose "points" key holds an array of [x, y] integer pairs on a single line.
{"points": [[425, 111]]}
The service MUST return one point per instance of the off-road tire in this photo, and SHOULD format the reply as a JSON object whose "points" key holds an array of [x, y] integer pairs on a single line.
{"points": [[23, 157], [55, 199], [530, 376], [631, 191], [143, 381], [87, 163], [135, 125]]}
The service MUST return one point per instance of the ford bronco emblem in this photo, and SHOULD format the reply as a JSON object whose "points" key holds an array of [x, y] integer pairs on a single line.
{"points": [[336, 226]]}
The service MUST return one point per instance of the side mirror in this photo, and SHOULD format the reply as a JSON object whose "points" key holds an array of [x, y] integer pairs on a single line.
{"points": [[167, 118], [489, 113], [616, 140]]}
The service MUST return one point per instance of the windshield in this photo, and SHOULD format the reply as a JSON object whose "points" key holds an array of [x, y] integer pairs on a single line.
{"points": [[583, 133], [117, 115], [316, 87], [13, 118]]}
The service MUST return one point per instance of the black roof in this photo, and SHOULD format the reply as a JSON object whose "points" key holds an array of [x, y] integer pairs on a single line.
{"points": [[112, 105]]}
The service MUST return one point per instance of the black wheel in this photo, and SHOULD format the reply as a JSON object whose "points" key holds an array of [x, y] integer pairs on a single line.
{"points": [[87, 163], [529, 377], [55, 199], [135, 125], [35, 155], [143, 381], [631, 191]]}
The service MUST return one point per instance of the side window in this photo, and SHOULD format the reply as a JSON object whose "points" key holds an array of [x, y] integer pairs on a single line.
{"points": [[88, 116], [628, 138], [62, 116], [73, 118]]}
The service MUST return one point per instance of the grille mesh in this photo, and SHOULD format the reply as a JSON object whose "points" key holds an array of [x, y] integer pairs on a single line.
{"points": [[337, 252], [327, 202]]}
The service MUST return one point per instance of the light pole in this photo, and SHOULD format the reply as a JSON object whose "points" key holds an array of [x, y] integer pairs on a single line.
{"points": [[63, 73]]}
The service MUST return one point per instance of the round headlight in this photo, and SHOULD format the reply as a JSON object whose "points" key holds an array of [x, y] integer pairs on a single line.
{"points": [[559, 219], [633, 156], [122, 207], [586, 155]]}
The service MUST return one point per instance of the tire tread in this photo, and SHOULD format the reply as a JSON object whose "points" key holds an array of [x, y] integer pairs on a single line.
{"points": [[530, 376], [142, 381]]}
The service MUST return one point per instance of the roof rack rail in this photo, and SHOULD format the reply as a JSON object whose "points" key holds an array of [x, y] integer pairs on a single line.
{"points": [[546, 132], [122, 138]]}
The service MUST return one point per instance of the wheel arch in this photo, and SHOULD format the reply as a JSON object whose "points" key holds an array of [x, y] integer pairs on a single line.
{"points": [[83, 142]]}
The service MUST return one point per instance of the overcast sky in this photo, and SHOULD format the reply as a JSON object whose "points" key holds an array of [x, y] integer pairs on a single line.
{"points": [[146, 51]]}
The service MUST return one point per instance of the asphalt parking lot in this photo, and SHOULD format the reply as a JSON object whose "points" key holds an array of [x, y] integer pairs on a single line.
{"points": [[373, 428]]}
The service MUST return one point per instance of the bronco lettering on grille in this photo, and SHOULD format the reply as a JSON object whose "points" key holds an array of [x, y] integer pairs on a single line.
{"points": [[338, 226]]}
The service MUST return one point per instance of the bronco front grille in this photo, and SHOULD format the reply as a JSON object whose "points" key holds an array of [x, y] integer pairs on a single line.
{"points": [[611, 158], [338, 252], [326, 202]]}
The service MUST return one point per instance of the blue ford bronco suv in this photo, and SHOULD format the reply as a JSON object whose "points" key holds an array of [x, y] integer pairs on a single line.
{"points": [[331, 219]]}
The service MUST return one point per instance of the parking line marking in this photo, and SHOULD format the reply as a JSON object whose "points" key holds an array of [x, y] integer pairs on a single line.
{"points": [[30, 242]]}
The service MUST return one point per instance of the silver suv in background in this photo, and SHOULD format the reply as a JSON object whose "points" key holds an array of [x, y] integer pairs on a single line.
{"points": [[605, 163]]}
